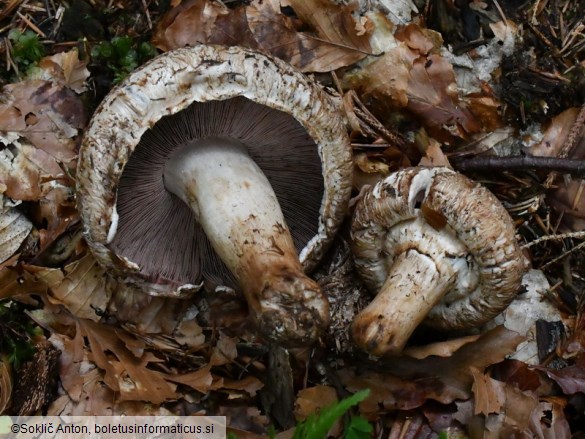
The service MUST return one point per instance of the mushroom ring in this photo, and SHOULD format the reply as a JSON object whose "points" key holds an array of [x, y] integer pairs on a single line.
{"points": [[436, 247]]}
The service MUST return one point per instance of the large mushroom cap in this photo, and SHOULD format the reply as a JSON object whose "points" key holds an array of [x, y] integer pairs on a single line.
{"points": [[433, 241], [291, 128]]}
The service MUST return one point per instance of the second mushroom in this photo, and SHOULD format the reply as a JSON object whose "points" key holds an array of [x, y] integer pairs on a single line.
{"points": [[219, 166], [436, 247]]}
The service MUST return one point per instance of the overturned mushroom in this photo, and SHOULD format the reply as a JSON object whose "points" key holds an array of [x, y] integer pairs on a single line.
{"points": [[218, 165], [436, 247]]}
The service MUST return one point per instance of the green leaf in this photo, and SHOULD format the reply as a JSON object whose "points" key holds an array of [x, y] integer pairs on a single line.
{"points": [[317, 426], [358, 428]]}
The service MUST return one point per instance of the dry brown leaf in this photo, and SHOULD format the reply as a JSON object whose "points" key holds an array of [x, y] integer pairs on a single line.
{"points": [[334, 42], [276, 33], [487, 111], [57, 210], [571, 379], [548, 421], [124, 373], [555, 134], [439, 349], [489, 394], [407, 382], [224, 351], [189, 23], [14, 228], [201, 380], [73, 363], [40, 123], [420, 39], [434, 155], [335, 24], [384, 82], [568, 199], [513, 417], [432, 96], [522, 376], [64, 68], [312, 399], [86, 393], [5, 385], [15, 284], [243, 420], [249, 384], [190, 334], [148, 314], [81, 286]]}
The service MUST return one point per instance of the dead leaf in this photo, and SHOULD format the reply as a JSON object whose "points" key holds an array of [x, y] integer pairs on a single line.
{"points": [[555, 135], [39, 124], [434, 155], [489, 394], [334, 23], [513, 419], [384, 81], [548, 421], [420, 39], [5, 385], [125, 373], [14, 228], [189, 23], [335, 40], [322, 51], [407, 382], [64, 68], [433, 97], [312, 399], [201, 380], [522, 376], [250, 384], [81, 286], [571, 379], [15, 284], [224, 351], [57, 210], [439, 349]]}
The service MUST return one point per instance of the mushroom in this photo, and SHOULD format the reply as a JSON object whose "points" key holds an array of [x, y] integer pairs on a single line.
{"points": [[436, 247], [218, 166]]}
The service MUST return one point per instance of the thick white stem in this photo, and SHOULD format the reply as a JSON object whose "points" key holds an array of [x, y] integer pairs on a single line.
{"points": [[238, 210], [413, 287]]}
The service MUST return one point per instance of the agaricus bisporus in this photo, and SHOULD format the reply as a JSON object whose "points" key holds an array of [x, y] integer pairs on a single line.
{"points": [[435, 247], [224, 167]]}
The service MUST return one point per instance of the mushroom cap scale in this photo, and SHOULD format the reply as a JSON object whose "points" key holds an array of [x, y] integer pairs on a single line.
{"points": [[174, 82], [454, 206]]}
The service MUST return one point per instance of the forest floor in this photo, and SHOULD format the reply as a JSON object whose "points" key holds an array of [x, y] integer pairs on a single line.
{"points": [[492, 89]]}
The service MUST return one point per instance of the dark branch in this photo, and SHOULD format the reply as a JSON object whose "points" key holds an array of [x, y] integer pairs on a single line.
{"points": [[567, 166]]}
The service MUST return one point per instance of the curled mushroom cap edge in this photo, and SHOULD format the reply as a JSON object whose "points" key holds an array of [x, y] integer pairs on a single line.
{"points": [[436, 247], [171, 83]]}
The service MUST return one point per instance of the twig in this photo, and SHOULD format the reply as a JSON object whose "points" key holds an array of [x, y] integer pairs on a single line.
{"points": [[563, 165], [557, 237], [148, 20], [30, 24], [565, 254]]}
